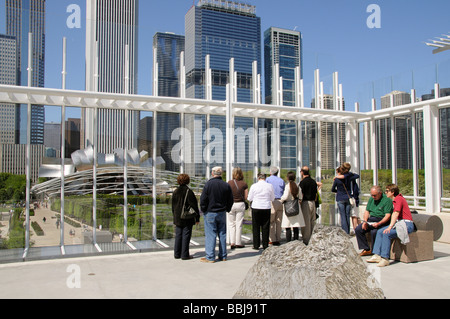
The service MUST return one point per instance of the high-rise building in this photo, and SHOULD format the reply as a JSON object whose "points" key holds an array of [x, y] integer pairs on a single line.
{"points": [[282, 50], [168, 50], [328, 138], [111, 66], [282, 56], [223, 30], [444, 115], [24, 17], [402, 133], [9, 113]]}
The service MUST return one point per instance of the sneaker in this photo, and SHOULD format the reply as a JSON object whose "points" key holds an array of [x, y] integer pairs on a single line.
{"points": [[374, 259], [383, 263], [206, 260]]}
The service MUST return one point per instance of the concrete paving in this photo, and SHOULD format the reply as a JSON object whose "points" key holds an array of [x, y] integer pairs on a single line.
{"points": [[157, 275]]}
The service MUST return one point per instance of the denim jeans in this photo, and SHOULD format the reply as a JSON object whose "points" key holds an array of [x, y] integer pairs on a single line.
{"points": [[215, 225], [382, 245], [344, 211]]}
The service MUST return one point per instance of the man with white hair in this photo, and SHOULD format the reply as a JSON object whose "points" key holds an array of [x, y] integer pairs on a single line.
{"points": [[216, 200], [276, 215]]}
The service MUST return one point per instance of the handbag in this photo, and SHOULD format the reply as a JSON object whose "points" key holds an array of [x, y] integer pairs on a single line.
{"points": [[187, 212], [350, 199], [245, 202], [292, 208]]}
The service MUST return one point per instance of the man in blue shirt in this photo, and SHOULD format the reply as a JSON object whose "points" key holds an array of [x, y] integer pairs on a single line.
{"points": [[277, 207]]}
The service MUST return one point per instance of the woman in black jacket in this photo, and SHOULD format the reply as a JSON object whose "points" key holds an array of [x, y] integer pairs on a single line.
{"points": [[183, 231]]}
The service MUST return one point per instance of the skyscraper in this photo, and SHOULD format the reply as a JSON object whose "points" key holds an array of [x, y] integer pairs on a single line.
{"points": [[111, 66], [282, 49], [24, 17], [168, 48], [328, 138], [9, 113], [402, 133], [223, 30], [282, 55]]}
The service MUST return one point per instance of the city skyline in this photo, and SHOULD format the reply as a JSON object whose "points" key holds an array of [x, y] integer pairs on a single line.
{"points": [[336, 38]]}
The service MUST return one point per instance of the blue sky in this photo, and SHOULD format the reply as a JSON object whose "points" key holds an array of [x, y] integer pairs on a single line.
{"points": [[335, 38]]}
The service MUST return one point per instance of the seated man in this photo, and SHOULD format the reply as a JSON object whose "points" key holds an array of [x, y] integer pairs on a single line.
{"points": [[401, 226], [377, 215]]}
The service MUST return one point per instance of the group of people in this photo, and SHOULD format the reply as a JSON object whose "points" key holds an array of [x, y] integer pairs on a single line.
{"points": [[387, 215], [224, 204]]}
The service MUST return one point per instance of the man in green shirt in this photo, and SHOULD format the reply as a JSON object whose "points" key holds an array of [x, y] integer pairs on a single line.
{"points": [[377, 215]]}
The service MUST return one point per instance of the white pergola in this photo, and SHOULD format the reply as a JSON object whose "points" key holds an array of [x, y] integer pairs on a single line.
{"points": [[441, 44], [231, 109]]}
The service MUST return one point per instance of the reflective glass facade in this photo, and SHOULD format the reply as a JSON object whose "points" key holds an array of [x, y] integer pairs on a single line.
{"points": [[283, 48], [222, 33]]}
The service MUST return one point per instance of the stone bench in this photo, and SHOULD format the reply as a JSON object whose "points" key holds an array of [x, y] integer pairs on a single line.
{"points": [[420, 248], [421, 245]]}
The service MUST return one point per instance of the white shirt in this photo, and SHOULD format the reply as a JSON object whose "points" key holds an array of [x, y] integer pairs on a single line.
{"points": [[261, 195]]}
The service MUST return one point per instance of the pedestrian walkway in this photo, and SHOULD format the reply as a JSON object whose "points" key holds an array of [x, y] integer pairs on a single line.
{"points": [[157, 275]]}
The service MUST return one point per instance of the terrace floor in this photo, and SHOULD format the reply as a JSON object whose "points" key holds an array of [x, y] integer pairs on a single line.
{"points": [[157, 275]]}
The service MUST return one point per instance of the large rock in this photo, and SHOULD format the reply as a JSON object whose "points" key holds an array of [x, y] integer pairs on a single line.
{"points": [[328, 268]]}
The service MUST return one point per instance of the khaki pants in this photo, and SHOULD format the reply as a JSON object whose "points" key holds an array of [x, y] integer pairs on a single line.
{"points": [[309, 214], [276, 217]]}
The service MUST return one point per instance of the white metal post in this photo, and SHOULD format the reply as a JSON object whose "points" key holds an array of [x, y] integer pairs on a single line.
{"points": [[433, 182], [373, 146], [125, 147], [28, 156], [154, 181], [63, 148], [182, 76], [393, 145]]}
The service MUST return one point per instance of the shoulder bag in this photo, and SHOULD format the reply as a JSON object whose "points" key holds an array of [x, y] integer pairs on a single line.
{"points": [[351, 199], [292, 207], [188, 212], [242, 196]]}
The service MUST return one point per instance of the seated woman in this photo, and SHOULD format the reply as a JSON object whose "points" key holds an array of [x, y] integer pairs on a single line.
{"points": [[401, 225]]}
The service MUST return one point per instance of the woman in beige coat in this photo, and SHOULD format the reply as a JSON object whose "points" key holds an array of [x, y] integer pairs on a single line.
{"points": [[291, 192]]}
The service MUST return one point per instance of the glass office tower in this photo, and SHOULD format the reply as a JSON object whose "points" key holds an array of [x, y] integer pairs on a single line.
{"points": [[223, 30], [284, 48], [24, 17], [168, 50]]}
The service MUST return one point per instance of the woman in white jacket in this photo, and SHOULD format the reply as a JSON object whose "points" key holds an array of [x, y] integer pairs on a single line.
{"points": [[291, 192]]}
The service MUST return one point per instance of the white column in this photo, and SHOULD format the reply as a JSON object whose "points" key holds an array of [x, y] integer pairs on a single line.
{"points": [[63, 148], [393, 145], [182, 76], [432, 151], [373, 146], [28, 156], [208, 78]]}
